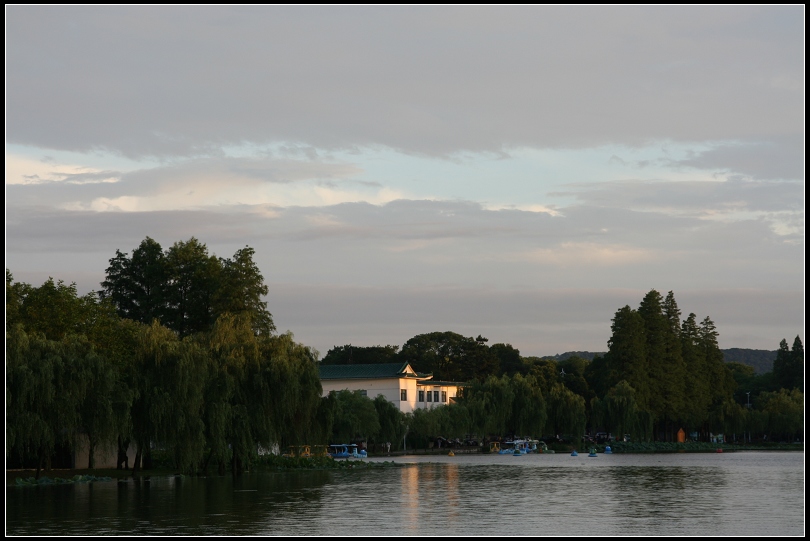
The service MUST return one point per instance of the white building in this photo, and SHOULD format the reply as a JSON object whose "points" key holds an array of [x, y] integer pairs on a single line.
{"points": [[397, 382]]}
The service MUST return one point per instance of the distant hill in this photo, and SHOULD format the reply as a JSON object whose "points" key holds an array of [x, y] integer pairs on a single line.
{"points": [[760, 359], [584, 354]]}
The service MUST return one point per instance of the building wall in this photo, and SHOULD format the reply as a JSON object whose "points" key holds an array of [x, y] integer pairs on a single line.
{"points": [[426, 386], [390, 388]]}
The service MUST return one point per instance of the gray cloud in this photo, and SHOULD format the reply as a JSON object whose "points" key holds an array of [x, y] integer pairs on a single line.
{"points": [[695, 197], [190, 174], [177, 80], [450, 243], [781, 158]]}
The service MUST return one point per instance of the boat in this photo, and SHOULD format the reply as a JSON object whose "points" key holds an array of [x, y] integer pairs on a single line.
{"points": [[302, 451], [346, 450], [592, 453], [520, 447]]}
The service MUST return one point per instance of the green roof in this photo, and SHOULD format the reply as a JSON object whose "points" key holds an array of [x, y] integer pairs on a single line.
{"points": [[364, 371]]}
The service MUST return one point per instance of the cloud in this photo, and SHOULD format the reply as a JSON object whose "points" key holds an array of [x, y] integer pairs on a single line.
{"points": [[781, 158], [695, 198], [25, 170], [198, 183], [165, 81]]}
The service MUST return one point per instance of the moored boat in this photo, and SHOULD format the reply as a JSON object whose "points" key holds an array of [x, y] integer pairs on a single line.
{"points": [[346, 450]]}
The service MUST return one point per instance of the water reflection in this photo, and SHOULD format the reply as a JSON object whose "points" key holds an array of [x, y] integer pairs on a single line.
{"points": [[740, 494]]}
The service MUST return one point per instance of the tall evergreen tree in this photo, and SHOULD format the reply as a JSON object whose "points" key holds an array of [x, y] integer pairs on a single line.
{"points": [[185, 287], [797, 357], [675, 388], [241, 289], [193, 281], [698, 391], [788, 368], [627, 354], [137, 285], [656, 328], [720, 378]]}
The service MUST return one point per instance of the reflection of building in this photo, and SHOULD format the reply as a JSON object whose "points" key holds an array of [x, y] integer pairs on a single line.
{"points": [[397, 382]]}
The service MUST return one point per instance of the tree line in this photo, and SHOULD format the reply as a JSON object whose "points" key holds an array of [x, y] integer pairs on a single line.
{"points": [[177, 353], [661, 374]]}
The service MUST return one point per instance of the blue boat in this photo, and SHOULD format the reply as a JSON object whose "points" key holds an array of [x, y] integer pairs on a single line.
{"points": [[346, 450]]}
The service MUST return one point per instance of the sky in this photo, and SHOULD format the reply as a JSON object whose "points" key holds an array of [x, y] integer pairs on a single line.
{"points": [[516, 172]]}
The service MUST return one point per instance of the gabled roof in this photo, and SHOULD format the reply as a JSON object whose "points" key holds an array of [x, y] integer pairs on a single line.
{"points": [[369, 371]]}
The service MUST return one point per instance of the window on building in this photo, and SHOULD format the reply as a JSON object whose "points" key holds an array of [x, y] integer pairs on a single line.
{"points": [[430, 396], [403, 394], [362, 392], [421, 396], [444, 396], [435, 396]]}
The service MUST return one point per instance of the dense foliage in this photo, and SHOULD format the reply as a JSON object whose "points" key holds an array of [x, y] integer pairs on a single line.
{"points": [[178, 353]]}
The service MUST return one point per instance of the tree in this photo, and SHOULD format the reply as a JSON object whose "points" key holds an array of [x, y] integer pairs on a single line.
{"points": [[673, 387], [627, 354], [449, 356], [489, 403], [391, 421], [622, 411], [241, 289], [655, 335], [185, 287], [566, 412], [785, 409], [191, 290], [44, 390], [137, 285], [528, 407], [355, 416], [788, 368], [698, 391], [350, 354], [509, 360]]}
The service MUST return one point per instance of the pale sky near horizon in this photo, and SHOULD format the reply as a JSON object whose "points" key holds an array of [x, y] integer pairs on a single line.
{"points": [[515, 172]]}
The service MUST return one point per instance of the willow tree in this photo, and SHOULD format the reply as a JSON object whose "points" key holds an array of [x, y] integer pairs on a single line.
{"points": [[528, 407], [289, 379], [566, 412], [785, 410], [391, 421], [44, 391], [489, 403], [354, 416], [622, 411], [168, 403]]}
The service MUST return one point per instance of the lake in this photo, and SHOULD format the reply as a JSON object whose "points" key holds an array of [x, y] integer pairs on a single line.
{"points": [[706, 494]]}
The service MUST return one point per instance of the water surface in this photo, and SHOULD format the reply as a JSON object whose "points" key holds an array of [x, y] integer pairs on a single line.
{"points": [[741, 493]]}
